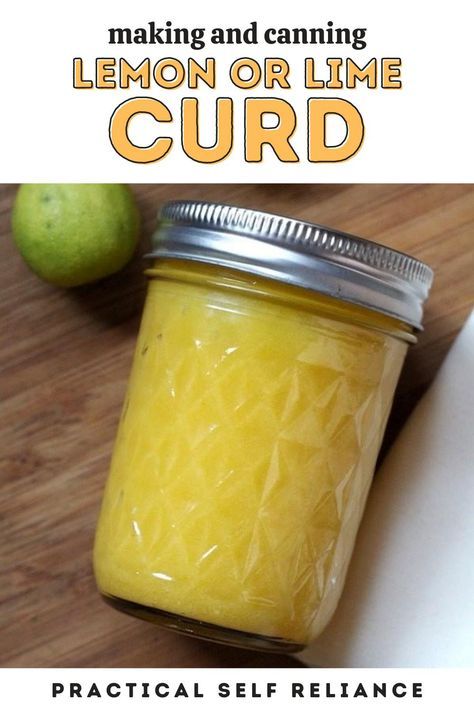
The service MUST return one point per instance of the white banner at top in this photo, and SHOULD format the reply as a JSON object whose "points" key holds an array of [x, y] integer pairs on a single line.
{"points": [[242, 92]]}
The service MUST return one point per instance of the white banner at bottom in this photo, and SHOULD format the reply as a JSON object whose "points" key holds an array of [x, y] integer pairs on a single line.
{"points": [[263, 689]]}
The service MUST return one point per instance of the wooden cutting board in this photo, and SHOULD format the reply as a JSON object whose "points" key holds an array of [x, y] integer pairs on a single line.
{"points": [[64, 361]]}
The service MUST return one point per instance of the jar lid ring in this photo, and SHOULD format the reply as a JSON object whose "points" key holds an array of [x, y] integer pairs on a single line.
{"points": [[295, 252]]}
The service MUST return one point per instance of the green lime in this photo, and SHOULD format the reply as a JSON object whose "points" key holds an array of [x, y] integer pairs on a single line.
{"points": [[72, 234]]}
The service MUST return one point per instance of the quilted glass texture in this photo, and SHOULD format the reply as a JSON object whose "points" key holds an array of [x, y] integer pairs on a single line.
{"points": [[244, 456]]}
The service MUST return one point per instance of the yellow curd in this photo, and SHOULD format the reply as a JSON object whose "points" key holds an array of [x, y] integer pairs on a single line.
{"points": [[245, 451]]}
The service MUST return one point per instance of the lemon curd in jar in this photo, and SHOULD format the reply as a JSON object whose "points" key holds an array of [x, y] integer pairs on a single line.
{"points": [[244, 455]]}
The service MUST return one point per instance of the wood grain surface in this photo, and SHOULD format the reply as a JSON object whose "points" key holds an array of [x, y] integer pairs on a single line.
{"points": [[64, 361]]}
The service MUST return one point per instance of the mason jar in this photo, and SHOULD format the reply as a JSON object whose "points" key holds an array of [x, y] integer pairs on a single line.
{"points": [[263, 377]]}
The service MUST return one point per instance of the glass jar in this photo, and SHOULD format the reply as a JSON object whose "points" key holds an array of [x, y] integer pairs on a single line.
{"points": [[265, 368]]}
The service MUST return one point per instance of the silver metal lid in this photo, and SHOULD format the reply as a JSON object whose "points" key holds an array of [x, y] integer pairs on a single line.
{"points": [[295, 252]]}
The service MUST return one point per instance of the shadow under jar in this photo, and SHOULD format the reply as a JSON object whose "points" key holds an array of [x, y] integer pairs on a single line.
{"points": [[265, 368]]}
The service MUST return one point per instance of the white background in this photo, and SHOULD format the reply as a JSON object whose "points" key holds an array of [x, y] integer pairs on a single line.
{"points": [[31, 688], [51, 132]]}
